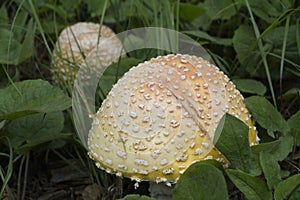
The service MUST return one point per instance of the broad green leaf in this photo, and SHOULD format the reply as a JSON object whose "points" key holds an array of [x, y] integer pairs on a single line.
{"points": [[136, 197], [231, 138], [224, 9], [17, 42], [31, 96], [288, 189], [291, 93], [255, 169], [3, 15], [188, 11], [114, 72], [244, 43], [27, 46], [253, 188], [206, 36], [96, 7], [262, 111], [201, 181], [28, 132], [271, 169], [216, 10], [250, 86], [278, 149], [294, 125], [266, 10], [269, 155]]}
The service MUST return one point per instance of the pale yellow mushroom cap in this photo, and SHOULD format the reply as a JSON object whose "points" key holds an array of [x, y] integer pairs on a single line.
{"points": [[77, 45], [161, 117]]}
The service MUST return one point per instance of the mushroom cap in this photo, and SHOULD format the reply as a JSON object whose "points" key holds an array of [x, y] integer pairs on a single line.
{"points": [[161, 117], [77, 45]]}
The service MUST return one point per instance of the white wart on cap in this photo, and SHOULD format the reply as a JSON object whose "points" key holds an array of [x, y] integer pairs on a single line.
{"points": [[161, 117], [77, 45]]}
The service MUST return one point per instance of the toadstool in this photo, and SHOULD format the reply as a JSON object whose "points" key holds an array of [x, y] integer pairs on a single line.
{"points": [[161, 117], [83, 43]]}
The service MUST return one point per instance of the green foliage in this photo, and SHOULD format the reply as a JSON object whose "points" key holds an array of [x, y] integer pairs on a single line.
{"points": [[256, 43], [113, 73], [201, 180], [188, 12], [17, 47], [31, 131], [252, 187], [231, 138], [250, 86], [294, 125], [31, 96], [136, 197], [262, 110], [288, 189]]}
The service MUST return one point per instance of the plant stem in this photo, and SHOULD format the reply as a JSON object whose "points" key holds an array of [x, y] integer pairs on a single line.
{"points": [[263, 54], [286, 31], [25, 175]]}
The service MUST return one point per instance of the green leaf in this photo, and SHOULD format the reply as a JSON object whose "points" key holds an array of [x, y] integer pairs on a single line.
{"points": [[31, 96], [231, 138], [291, 93], [188, 12], [271, 169], [266, 10], [113, 73], [253, 188], [136, 197], [269, 155], [244, 43], [30, 131], [263, 111], [294, 125], [279, 149], [255, 169], [3, 15], [288, 189], [27, 46], [204, 35], [201, 181], [96, 7], [17, 43], [250, 86], [220, 10]]}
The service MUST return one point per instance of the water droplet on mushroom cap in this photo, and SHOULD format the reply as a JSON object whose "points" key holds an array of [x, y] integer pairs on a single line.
{"points": [[170, 128]]}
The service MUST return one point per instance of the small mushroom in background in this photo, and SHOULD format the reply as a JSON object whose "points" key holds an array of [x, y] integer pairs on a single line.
{"points": [[80, 44], [160, 118]]}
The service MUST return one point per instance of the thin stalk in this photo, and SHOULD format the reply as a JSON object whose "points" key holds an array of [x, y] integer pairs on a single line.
{"points": [[263, 55], [25, 175], [286, 31], [8, 47], [36, 17], [101, 21], [19, 177], [9, 170]]}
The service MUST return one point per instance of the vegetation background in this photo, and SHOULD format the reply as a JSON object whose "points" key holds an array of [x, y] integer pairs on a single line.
{"points": [[255, 42]]}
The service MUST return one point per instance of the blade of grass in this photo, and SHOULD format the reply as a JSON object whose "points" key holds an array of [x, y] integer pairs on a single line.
{"points": [[9, 43], [6, 178], [286, 31], [298, 35], [25, 175], [263, 54], [19, 177], [37, 20]]}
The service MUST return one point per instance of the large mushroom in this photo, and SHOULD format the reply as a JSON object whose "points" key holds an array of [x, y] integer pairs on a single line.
{"points": [[80, 44], [161, 117]]}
